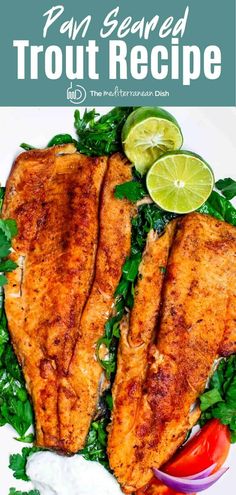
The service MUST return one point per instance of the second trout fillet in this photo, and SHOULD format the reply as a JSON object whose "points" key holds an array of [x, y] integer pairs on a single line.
{"points": [[137, 334], [53, 195], [79, 392], [196, 316]]}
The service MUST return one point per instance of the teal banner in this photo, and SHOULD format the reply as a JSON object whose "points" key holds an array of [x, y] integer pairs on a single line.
{"points": [[169, 53]]}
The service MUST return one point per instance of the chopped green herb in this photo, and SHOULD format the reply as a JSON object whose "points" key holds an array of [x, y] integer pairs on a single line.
{"points": [[219, 400], [133, 191], [27, 147], [227, 187], [2, 193], [26, 438], [15, 407], [109, 401], [3, 280], [97, 135], [130, 268], [95, 449], [7, 266], [210, 398], [100, 136], [18, 462], [219, 207], [149, 217], [162, 269], [8, 229], [61, 139]]}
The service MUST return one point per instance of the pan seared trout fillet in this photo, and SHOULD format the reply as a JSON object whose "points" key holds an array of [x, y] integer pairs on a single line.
{"points": [[53, 195], [137, 333], [79, 392], [196, 295]]}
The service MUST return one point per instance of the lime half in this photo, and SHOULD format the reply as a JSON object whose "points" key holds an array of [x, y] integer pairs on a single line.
{"points": [[148, 133], [180, 182]]}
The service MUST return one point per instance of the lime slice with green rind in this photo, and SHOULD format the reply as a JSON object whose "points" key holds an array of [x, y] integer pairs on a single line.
{"points": [[180, 182], [148, 133]]}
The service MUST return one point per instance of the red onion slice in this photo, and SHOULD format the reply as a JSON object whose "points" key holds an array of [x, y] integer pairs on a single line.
{"points": [[201, 474], [186, 485]]}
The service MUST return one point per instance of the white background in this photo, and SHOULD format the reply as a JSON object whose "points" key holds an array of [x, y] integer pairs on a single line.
{"points": [[209, 132]]}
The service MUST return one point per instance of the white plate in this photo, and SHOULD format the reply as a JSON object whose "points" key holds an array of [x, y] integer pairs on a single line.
{"points": [[209, 132]]}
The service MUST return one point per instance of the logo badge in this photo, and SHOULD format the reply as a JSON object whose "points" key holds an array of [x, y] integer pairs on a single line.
{"points": [[76, 94]]}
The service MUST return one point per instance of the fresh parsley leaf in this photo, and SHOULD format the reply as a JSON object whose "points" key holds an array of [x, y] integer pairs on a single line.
{"points": [[18, 462], [233, 436], [133, 191], [7, 266], [219, 400], [224, 207], [95, 449], [131, 266], [11, 226], [26, 438], [4, 337], [27, 147], [2, 193], [100, 136], [96, 136], [57, 140], [208, 209], [149, 217], [209, 399], [109, 401], [225, 413], [219, 207], [227, 187], [10, 364], [15, 407], [61, 139], [16, 412], [3, 280], [13, 491], [18, 465], [5, 247], [6, 229]]}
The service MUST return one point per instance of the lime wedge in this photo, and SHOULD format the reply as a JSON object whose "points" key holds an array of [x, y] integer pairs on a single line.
{"points": [[148, 133], [180, 182]]}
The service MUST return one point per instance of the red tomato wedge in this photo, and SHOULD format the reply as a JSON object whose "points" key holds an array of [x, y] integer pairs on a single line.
{"points": [[209, 446]]}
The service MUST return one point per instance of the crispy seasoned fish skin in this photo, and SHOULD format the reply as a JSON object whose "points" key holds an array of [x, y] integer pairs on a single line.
{"points": [[54, 196], [79, 393], [192, 323], [137, 334]]}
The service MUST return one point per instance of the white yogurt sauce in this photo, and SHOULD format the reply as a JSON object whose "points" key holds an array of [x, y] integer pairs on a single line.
{"points": [[53, 474]]}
